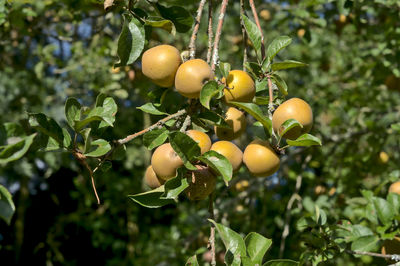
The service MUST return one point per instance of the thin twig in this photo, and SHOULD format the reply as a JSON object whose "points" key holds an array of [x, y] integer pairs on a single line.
{"points": [[295, 196], [271, 97], [215, 57], [186, 124], [210, 31], [82, 159], [244, 34], [211, 241], [253, 9], [192, 44], [154, 126], [394, 257]]}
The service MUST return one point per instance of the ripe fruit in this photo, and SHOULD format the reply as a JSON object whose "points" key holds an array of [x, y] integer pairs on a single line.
{"points": [[392, 82], [201, 183], [191, 76], [395, 188], [391, 247], [260, 158], [230, 151], [160, 64], [151, 179], [241, 87], [383, 157], [236, 120], [201, 138], [294, 108], [165, 161]]}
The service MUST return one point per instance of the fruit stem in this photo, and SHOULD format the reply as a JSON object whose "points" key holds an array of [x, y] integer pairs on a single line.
{"points": [[215, 57], [192, 44], [253, 9], [210, 31]]}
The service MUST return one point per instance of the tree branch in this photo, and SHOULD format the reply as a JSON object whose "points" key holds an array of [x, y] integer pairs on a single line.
{"points": [[215, 57], [156, 125], [192, 44], [271, 97], [186, 124], [211, 241], [253, 9], [210, 31], [244, 34], [394, 257]]}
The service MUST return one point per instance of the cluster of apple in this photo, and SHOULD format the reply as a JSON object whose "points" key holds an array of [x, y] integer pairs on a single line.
{"points": [[162, 64]]}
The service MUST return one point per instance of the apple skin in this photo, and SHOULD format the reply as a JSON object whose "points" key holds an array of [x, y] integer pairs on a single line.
{"points": [[294, 108], [160, 64], [191, 76]]}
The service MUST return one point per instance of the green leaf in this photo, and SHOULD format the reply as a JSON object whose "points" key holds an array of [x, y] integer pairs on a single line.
{"points": [[394, 201], [218, 163], [102, 148], [158, 22], [95, 114], [16, 150], [281, 262], [261, 85], [384, 210], [7, 207], [131, 41], [280, 83], [181, 18], [155, 138], [209, 90], [305, 140], [192, 261], [254, 69], [213, 119], [224, 69], [365, 243], [286, 64], [151, 199], [288, 125], [47, 126], [396, 127], [254, 33], [110, 110], [233, 241], [256, 246], [72, 111], [276, 45], [255, 111], [67, 138], [151, 109], [175, 186], [185, 147]]}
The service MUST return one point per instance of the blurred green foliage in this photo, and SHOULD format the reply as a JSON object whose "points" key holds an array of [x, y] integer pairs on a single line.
{"points": [[51, 50]]}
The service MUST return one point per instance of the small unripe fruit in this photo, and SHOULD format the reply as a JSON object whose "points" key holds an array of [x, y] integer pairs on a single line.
{"points": [[151, 179], [383, 157], [191, 76], [165, 161], [236, 120], [294, 108], [201, 183], [230, 151], [201, 138], [395, 188], [160, 64], [260, 158], [301, 32], [265, 14], [241, 87]]}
